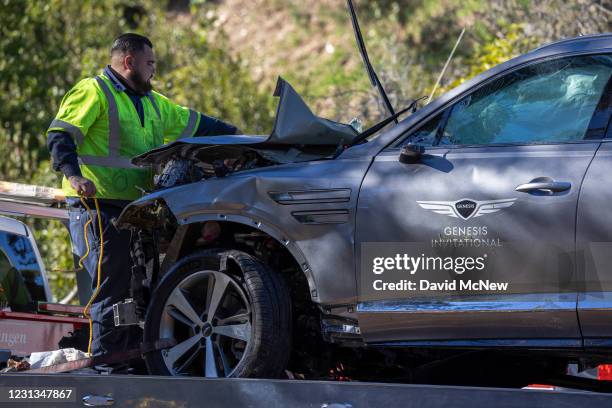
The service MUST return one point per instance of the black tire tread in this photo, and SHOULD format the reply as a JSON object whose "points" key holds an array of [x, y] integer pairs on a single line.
{"points": [[269, 349]]}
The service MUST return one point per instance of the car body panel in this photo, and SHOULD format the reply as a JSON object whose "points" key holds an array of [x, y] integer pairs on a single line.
{"points": [[298, 204], [537, 229], [13, 226], [594, 250]]}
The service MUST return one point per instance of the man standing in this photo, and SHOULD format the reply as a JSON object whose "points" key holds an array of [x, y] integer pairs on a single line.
{"points": [[102, 122]]}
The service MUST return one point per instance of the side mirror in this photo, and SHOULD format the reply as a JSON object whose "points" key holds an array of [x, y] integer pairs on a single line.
{"points": [[411, 154]]}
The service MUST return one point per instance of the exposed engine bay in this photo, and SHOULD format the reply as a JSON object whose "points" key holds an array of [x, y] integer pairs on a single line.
{"points": [[298, 135]]}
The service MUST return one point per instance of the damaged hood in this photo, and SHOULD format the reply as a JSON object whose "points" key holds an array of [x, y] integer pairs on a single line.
{"points": [[297, 135], [296, 124]]}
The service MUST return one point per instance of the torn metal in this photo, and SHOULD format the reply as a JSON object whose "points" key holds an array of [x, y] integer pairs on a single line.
{"points": [[298, 135]]}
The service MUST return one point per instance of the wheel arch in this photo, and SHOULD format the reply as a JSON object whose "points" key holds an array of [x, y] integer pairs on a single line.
{"points": [[185, 242]]}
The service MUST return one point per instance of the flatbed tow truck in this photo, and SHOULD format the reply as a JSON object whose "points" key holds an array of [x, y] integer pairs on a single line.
{"points": [[43, 327]]}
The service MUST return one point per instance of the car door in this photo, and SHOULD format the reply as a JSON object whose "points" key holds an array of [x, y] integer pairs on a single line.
{"points": [[473, 242], [594, 237]]}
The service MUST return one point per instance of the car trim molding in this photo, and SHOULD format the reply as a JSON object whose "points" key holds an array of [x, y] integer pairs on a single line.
{"points": [[487, 343], [486, 303], [336, 195]]}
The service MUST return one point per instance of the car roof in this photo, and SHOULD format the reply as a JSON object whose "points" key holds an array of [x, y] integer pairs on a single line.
{"points": [[13, 226], [581, 40]]}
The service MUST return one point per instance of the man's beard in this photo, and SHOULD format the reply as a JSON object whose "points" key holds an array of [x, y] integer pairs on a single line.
{"points": [[142, 85]]}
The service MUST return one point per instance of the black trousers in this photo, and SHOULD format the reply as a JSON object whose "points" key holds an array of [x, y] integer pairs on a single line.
{"points": [[115, 273]]}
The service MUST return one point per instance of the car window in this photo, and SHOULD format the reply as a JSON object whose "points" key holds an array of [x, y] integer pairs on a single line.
{"points": [[5, 269], [13, 291], [548, 102], [426, 134], [23, 260]]}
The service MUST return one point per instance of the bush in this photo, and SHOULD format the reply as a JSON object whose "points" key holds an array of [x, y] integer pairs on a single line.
{"points": [[46, 47]]}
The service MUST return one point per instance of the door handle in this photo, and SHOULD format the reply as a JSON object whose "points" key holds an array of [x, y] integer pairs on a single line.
{"points": [[544, 185], [98, 400]]}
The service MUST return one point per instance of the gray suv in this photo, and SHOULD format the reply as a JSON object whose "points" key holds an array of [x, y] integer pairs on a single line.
{"points": [[481, 221]]}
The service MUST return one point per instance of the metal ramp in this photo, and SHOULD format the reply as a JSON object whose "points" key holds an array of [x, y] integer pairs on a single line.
{"points": [[151, 391]]}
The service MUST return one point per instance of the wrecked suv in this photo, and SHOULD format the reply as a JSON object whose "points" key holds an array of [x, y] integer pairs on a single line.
{"points": [[481, 221]]}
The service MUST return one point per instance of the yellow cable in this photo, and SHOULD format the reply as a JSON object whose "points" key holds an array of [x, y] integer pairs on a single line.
{"points": [[81, 259], [93, 296]]}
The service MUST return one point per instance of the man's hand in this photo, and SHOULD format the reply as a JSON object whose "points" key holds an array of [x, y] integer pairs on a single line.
{"points": [[83, 186]]}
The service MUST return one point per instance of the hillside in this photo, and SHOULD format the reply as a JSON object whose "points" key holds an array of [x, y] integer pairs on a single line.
{"points": [[312, 44]]}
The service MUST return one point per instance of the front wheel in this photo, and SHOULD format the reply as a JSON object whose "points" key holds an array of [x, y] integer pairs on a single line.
{"points": [[219, 313]]}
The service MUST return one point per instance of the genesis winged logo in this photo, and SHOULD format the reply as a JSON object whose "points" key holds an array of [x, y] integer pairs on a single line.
{"points": [[466, 208]]}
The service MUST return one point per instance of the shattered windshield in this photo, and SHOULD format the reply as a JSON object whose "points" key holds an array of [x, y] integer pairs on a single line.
{"points": [[551, 101]]}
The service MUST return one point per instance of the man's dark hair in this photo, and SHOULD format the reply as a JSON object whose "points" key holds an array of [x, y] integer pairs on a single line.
{"points": [[130, 43]]}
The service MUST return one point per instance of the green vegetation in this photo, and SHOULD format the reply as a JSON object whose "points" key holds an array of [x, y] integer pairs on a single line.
{"points": [[46, 47], [222, 57]]}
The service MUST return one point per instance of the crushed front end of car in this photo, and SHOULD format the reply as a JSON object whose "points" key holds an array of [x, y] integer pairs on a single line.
{"points": [[223, 199]]}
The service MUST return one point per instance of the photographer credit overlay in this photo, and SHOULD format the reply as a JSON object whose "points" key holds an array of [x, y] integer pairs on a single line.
{"points": [[454, 264]]}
